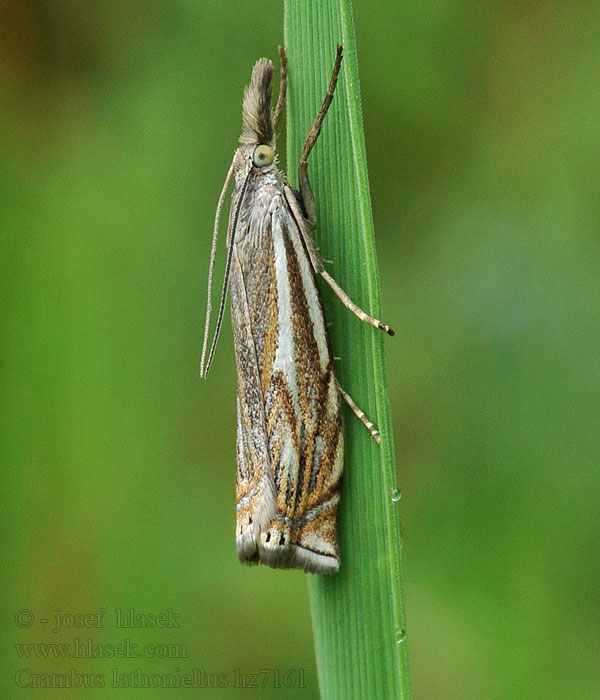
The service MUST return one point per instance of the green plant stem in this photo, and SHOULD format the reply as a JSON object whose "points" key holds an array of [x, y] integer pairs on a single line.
{"points": [[358, 616]]}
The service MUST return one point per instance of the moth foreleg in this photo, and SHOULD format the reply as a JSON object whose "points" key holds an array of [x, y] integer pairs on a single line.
{"points": [[349, 304], [282, 87], [360, 415], [311, 138]]}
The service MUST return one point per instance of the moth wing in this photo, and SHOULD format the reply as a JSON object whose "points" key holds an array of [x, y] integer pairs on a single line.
{"points": [[255, 491], [290, 441], [302, 410]]}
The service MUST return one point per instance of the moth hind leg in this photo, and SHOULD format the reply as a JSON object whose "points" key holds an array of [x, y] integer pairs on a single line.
{"points": [[360, 415]]}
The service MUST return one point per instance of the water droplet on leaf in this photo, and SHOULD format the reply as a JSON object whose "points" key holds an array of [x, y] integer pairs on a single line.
{"points": [[399, 636]]}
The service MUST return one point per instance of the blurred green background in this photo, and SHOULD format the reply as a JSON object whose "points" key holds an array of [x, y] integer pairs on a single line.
{"points": [[482, 122]]}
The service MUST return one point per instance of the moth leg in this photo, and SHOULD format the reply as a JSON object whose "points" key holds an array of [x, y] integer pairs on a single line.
{"points": [[349, 304], [282, 87], [317, 263], [308, 203], [360, 415], [311, 137]]}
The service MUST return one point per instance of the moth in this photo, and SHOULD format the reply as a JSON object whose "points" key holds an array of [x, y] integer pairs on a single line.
{"points": [[290, 441]]}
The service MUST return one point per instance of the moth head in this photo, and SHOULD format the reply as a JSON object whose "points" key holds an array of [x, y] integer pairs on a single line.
{"points": [[263, 155]]}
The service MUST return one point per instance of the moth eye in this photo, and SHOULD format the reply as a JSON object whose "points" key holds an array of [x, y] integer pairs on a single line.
{"points": [[263, 155]]}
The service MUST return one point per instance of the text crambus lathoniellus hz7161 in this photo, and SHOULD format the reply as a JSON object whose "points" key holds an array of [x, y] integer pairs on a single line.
{"points": [[289, 404]]}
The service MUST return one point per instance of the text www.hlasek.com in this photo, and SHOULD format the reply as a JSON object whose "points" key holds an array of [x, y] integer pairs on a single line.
{"points": [[80, 648]]}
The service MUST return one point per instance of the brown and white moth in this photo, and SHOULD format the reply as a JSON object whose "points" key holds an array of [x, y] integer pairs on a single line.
{"points": [[290, 442]]}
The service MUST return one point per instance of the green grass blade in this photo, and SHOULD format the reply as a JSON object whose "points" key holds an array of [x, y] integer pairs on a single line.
{"points": [[358, 616]]}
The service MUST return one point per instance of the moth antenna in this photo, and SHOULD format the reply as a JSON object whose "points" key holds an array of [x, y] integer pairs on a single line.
{"points": [[213, 253], [204, 368]]}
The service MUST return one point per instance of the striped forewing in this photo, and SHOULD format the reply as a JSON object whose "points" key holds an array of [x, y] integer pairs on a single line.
{"points": [[290, 441]]}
